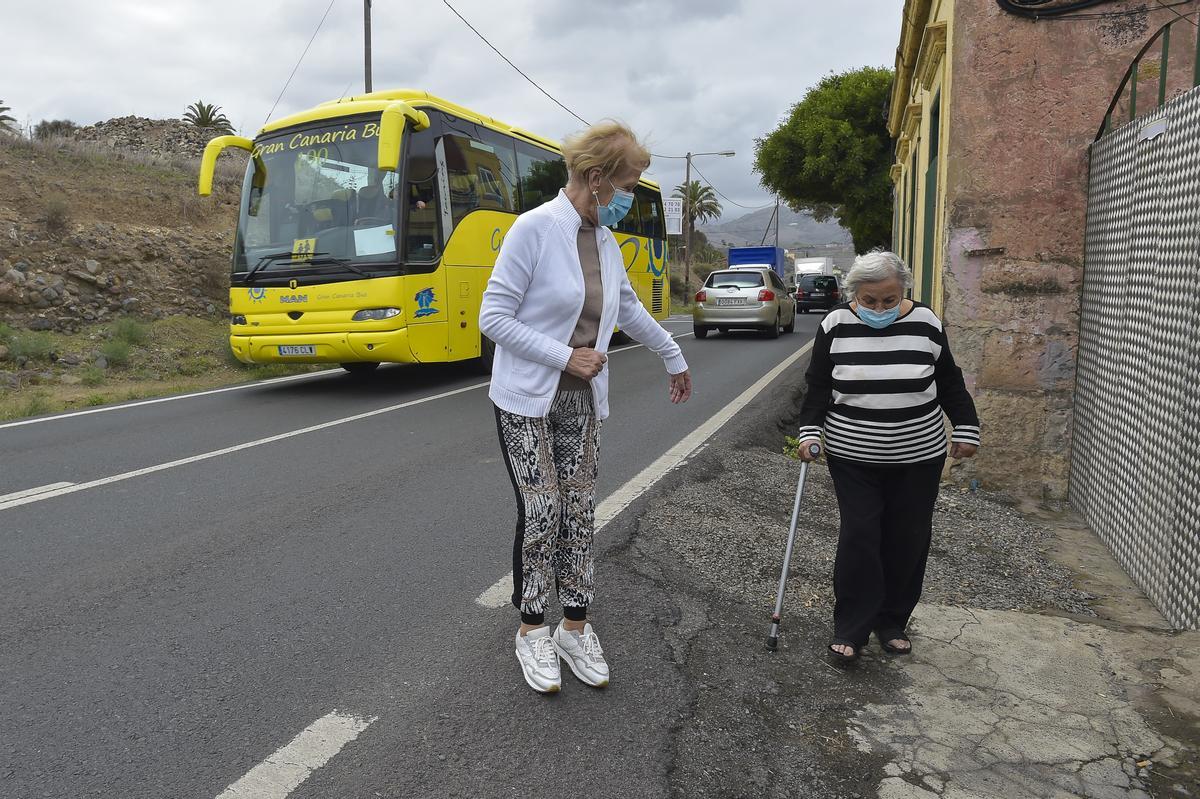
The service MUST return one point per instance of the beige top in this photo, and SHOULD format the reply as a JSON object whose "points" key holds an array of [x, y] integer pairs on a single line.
{"points": [[587, 329]]}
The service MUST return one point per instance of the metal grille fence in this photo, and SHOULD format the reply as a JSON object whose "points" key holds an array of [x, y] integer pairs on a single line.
{"points": [[1135, 462]]}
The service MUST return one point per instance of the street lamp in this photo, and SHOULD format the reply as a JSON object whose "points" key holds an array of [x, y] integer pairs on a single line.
{"points": [[687, 199]]}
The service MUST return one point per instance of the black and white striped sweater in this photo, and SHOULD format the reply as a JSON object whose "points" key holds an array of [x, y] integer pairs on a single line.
{"points": [[878, 395]]}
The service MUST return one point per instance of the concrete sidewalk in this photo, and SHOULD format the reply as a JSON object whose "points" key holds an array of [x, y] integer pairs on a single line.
{"points": [[1038, 669]]}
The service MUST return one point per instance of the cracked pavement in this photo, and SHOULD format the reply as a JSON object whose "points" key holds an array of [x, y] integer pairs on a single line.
{"points": [[1022, 685]]}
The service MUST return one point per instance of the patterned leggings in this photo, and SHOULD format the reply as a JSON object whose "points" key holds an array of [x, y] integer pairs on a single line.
{"points": [[552, 463]]}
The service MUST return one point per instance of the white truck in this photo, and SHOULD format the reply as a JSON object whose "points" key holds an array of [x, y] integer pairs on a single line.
{"points": [[812, 266]]}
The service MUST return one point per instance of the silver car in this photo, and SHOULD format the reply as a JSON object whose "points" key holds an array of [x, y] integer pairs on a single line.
{"points": [[738, 299]]}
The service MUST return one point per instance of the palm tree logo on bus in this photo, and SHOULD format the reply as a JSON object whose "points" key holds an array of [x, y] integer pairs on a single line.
{"points": [[425, 301]]}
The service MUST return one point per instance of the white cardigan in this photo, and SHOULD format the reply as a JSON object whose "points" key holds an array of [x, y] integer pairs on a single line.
{"points": [[533, 302]]}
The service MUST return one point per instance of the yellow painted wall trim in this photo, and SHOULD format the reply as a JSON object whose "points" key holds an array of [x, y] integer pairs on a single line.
{"points": [[914, 16], [896, 173], [933, 47]]}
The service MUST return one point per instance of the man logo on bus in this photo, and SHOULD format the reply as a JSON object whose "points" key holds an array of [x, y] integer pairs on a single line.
{"points": [[258, 293], [425, 301]]}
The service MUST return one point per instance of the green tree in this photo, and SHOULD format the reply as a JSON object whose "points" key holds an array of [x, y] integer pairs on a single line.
{"points": [[205, 115], [833, 153]]}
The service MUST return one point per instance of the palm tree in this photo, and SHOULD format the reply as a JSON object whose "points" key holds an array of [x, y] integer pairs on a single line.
{"points": [[699, 201], [204, 115], [5, 119]]}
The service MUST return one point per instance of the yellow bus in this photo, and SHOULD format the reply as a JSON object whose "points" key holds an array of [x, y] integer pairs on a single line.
{"points": [[369, 226]]}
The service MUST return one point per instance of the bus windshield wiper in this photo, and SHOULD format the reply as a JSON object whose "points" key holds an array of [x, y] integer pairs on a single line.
{"points": [[276, 256], [343, 262]]}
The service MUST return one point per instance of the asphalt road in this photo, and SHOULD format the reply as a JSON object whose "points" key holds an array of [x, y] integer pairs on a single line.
{"points": [[164, 633]]}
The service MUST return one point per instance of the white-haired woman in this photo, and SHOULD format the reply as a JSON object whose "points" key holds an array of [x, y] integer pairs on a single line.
{"points": [[880, 378], [558, 288]]}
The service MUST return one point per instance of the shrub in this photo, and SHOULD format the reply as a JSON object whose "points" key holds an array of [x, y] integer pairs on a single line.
{"points": [[92, 376], [129, 330], [53, 128], [6, 333], [36, 405], [58, 216], [34, 346], [116, 352], [93, 400]]}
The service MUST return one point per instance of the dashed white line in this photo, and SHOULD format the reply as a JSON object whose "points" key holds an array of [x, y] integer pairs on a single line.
{"points": [[29, 492], [499, 593], [282, 772], [62, 489]]}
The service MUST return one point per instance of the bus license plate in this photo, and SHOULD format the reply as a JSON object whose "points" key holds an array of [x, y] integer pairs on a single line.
{"points": [[730, 301], [297, 349]]}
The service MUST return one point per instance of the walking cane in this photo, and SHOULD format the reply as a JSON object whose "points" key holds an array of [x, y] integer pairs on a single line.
{"points": [[773, 636]]}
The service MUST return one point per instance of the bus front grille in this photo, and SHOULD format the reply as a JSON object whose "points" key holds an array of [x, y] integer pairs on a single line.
{"points": [[656, 296]]}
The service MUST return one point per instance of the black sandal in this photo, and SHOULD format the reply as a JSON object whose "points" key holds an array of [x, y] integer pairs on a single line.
{"points": [[885, 639], [838, 657]]}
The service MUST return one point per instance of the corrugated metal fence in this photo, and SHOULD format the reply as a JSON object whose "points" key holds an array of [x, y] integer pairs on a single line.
{"points": [[1135, 464]]}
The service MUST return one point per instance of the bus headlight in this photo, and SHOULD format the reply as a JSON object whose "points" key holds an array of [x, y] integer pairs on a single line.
{"points": [[376, 314], [237, 319]]}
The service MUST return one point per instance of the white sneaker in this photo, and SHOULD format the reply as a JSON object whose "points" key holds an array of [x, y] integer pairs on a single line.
{"points": [[539, 660], [583, 654]]}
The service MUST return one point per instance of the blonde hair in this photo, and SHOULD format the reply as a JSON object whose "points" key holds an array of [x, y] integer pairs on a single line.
{"points": [[607, 145]]}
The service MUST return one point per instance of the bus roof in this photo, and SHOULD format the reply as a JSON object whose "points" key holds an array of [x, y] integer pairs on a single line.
{"points": [[375, 102]]}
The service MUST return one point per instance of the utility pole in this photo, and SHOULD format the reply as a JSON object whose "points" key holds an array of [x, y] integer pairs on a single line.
{"points": [[687, 244], [777, 221], [367, 41]]}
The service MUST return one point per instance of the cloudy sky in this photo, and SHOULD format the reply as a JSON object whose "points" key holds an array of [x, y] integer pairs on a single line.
{"points": [[698, 75]]}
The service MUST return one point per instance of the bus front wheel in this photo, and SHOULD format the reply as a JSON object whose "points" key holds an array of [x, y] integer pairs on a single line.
{"points": [[360, 367]]}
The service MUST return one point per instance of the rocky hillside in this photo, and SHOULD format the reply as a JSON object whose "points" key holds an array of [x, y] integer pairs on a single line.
{"points": [[109, 222]]}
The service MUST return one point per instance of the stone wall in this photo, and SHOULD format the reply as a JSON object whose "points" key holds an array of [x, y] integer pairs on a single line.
{"points": [[156, 137], [1027, 101]]}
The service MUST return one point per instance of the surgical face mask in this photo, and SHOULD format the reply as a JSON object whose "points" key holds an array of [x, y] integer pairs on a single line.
{"points": [[879, 319], [617, 208]]}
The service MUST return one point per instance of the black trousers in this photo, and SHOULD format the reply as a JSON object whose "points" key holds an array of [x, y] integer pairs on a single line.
{"points": [[887, 523]]}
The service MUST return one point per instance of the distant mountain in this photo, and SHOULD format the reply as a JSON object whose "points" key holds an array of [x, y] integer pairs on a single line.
{"points": [[796, 231]]}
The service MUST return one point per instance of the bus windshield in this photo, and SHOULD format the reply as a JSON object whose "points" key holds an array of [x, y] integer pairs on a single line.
{"points": [[314, 197]]}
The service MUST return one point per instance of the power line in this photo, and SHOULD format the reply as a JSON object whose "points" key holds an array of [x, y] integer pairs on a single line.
{"points": [[301, 59], [1171, 8], [514, 66], [718, 191]]}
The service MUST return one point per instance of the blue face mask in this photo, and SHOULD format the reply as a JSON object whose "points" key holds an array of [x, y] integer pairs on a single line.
{"points": [[617, 208], [879, 319]]}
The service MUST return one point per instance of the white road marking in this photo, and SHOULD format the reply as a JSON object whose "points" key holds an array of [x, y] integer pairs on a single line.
{"points": [[139, 403], [116, 478], [282, 772], [29, 492], [499, 594], [50, 492]]}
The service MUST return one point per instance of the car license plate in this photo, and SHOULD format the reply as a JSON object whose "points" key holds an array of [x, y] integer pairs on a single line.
{"points": [[730, 301], [818, 294], [297, 349]]}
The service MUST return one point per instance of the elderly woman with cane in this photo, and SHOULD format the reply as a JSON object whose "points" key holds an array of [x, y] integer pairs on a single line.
{"points": [[880, 379], [558, 288]]}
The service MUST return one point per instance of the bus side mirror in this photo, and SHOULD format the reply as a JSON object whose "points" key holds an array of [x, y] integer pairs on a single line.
{"points": [[212, 150], [391, 127]]}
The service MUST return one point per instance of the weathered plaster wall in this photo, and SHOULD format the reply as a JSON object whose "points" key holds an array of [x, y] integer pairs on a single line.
{"points": [[1028, 99]]}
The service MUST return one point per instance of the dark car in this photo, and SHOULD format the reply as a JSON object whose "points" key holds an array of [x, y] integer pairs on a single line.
{"points": [[817, 292]]}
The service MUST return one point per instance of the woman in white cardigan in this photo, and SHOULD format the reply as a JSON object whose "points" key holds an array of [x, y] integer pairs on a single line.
{"points": [[555, 294]]}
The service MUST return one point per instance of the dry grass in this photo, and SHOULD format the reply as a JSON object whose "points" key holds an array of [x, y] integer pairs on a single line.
{"points": [[176, 355]]}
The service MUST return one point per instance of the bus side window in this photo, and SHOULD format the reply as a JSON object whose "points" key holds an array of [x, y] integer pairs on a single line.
{"points": [[650, 210], [419, 199], [629, 223], [475, 171], [542, 174]]}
